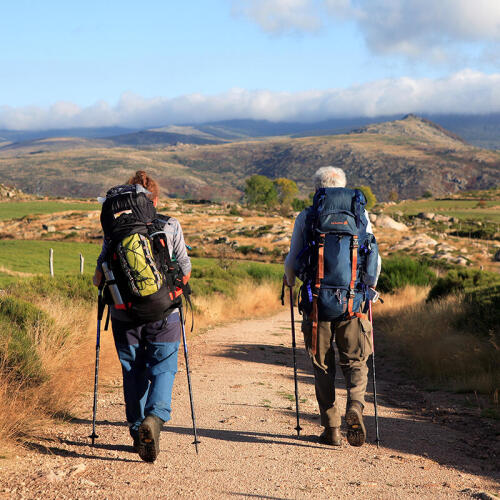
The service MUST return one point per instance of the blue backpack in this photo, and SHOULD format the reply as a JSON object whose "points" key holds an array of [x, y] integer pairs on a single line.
{"points": [[339, 259]]}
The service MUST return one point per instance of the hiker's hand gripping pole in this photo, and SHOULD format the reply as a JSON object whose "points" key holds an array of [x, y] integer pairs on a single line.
{"points": [[294, 350], [377, 438], [188, 372], [100, 312]]}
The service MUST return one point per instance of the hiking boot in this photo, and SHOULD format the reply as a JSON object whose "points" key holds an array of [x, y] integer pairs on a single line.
{"points": [[149, 438], [136, 441], [356, 431], [331, 436]]}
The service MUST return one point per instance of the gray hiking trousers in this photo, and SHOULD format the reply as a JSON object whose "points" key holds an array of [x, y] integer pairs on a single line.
{"points": [[354, 342]]}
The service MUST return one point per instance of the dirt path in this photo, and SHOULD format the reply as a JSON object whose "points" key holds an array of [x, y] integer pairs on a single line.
{"points": [[243, 386]]}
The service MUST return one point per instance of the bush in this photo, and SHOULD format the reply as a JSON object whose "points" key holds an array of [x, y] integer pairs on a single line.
{"points": [[19, 322], [463, 280], [398, 272], [480, 292]]}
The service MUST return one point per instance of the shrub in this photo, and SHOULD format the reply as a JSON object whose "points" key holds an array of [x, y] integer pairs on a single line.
{"points": [[427, 194], [480, 295], [393, 195], [19, 322], [463, 280], [398, 272]]}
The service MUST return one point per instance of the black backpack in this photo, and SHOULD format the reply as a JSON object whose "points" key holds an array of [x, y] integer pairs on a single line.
{"points": [[149, 281]]}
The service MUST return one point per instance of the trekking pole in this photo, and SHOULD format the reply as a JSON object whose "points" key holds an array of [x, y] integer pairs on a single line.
{"points": [[377, 438], [298, 428], [100, 311], [193, 417]]}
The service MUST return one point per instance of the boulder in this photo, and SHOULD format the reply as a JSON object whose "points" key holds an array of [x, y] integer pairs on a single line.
{"points": [[282, 239], [373, 218], [442, 218], [426, 215], [390, 223]]}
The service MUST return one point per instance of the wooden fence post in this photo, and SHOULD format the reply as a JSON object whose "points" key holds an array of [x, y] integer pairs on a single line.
{"points": [[82, 260], [51, 262]]}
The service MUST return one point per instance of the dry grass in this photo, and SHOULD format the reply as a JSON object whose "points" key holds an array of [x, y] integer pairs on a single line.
{"points": [[426, 337], [250, 301], [67, 354]]}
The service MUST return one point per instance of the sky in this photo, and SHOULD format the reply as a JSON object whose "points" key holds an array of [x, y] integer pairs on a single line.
{"points": [[153, 63]]}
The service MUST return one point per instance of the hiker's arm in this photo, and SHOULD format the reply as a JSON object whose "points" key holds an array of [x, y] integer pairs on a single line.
{"points": [[295, 248], [96, 280], [369, 230], [180, 252]]}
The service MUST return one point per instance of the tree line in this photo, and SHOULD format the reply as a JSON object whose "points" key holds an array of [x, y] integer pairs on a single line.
{"points": [[282, 193]]}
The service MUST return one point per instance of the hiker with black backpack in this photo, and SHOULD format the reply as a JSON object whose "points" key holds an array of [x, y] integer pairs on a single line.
{"points": [[145, 268], [334, 253]]}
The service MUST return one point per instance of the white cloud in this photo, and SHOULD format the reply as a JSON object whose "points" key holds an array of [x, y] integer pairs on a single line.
{"points": [[463, 92], [428, 28], [412, 27], [280, 16]]}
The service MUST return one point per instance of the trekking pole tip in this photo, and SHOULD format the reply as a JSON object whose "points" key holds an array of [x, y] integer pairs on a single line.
{"points": [[196, 442]]}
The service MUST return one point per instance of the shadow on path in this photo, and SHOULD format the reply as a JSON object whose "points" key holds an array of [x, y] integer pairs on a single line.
{"points": [[415, 433], [54, 450], [249, 437]]}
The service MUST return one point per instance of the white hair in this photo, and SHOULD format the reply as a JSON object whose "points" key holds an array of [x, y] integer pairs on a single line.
{"points": [[326, 177]]}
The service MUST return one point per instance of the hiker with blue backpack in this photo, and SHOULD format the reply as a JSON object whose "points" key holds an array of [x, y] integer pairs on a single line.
{"points": [[146, 270], [334, 253]]}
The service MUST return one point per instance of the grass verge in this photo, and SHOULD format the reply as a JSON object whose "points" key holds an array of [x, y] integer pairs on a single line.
{"points": [[47, 335], [433, 347]]}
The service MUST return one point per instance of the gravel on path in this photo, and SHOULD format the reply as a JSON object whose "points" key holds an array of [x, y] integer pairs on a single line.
{"points": [[242, 379]]}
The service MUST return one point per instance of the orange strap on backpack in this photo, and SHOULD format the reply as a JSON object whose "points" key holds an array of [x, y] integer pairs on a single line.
{"points": [[354, 265], [320, 274]]}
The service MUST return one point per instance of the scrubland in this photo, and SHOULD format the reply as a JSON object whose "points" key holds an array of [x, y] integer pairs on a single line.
{"points": [[426, 339]]}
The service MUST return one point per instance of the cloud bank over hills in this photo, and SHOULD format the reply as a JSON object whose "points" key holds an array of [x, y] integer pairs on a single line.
{"points": [[465, 92]]}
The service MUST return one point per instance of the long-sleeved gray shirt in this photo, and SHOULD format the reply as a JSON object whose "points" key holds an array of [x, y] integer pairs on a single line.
{"points": [[177, 250], [296, 245]]}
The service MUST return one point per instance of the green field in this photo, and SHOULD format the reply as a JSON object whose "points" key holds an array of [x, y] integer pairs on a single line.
{"points": [[462, 209], [19, 209], [30, 256]]}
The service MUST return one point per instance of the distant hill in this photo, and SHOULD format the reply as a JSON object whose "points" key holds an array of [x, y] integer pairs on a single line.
{"points": [[478, 130], [410, 156], [90, 132]]}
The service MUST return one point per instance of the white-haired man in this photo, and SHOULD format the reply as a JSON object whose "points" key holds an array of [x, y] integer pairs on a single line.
{"points": [[334, 253]]}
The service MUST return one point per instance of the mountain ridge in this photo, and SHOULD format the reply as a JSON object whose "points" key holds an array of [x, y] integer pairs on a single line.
{"points": [[408, 156]]}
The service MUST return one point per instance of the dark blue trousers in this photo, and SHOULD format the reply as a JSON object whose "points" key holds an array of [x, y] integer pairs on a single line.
{"points": [[148, 355]]}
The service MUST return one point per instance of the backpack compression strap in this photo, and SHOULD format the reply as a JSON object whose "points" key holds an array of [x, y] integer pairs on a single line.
{"points": [[320, 274], [354, 265]]}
